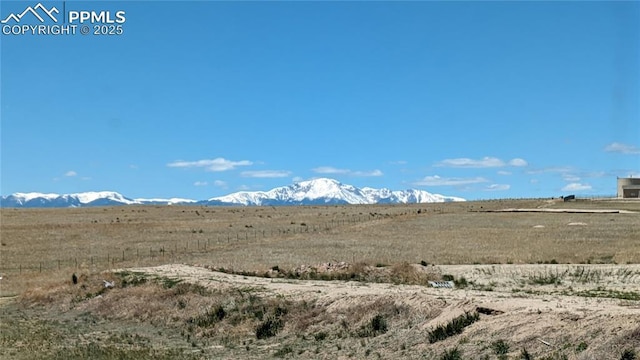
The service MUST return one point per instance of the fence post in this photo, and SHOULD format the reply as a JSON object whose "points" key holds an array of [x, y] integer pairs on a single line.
{"points": [[40, 267], [58, 264]]}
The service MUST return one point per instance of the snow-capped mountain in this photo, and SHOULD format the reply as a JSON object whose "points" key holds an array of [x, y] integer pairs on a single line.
{"points": [[313, 192], [328, 191], [99, 198]]}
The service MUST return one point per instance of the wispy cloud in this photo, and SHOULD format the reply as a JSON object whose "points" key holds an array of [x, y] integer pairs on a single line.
{"points": [[485, 162], [217, 164], [332, 170], [329, 170], [266, 173], [399, 162], [220, 184], [498, 187], [576, 187], [570, 177], [297, 179], [518, 162], [504, 173], [440, 181], [200, 183], [622, 148], [70, 173], [367, 173], [553, 169]]}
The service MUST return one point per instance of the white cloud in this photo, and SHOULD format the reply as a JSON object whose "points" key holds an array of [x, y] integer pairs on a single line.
{"points": [[266, 173], [498, 187], [440, 181], [622, 148], [399, 162], [518, 162], [133, 166], [217, 164], [555, 169], [576, 187], [70, 173], [367, 173], [220, 183], [534, 181], [332, 170], [471, 163], [85, 178], [200, 183], [570, 177], [485, 162], [297, 179], [502, 172]]}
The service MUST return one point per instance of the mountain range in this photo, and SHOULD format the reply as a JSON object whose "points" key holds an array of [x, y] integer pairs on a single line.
{"points": [[321, 191]]}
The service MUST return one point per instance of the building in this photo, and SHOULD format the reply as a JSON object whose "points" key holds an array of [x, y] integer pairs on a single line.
{"points": [[628, 187]]}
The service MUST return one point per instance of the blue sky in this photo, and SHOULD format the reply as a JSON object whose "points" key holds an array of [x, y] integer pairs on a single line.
{"points": [[200, 99]]}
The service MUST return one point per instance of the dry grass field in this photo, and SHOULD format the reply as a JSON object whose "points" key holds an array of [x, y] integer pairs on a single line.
{"points": [[563, 285]]}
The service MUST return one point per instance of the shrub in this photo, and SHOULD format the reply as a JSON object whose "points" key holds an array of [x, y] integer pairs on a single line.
{"points": [[268, 328], [524, 355], [453, 354], [581, 347], [628, 354], [377, 326], [501, 348], [453, 327]]}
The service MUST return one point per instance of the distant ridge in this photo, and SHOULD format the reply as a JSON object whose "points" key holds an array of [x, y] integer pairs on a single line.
{"points": [[321, 191]]}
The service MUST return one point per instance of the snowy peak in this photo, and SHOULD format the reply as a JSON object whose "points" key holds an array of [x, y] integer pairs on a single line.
{"points": [[328, 191], [92, 198], [321, 191]]}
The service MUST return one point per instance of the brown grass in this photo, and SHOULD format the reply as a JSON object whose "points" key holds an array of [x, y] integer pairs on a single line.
{"points": [[38, 244]]}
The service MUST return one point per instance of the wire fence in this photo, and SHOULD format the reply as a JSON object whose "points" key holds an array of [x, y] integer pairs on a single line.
{"points": [[173, 250]]}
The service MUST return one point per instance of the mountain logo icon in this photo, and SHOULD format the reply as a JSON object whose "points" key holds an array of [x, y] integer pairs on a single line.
{"points": [[35, 11]]}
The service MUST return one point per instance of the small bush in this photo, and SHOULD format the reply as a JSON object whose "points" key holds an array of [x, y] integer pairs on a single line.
{"points": [[628, 354], [284, 351], [501, 348], [377, 326], [424, 263], [581, 347], [453, 327], [461, 283], [524, 355], [268, 328], [453, 354]]}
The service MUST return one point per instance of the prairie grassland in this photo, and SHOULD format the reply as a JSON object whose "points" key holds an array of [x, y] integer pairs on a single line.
{"points": [[42, 241], [542, 287]]}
